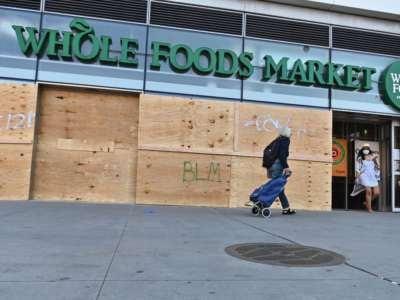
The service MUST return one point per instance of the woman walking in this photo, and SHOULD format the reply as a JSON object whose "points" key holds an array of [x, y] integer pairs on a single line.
{"points": [[280, 166], [367, 174]]}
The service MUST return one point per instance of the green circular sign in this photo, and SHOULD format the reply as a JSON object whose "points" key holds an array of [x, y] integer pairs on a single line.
{"points": [[338, 152], [390, 85]]}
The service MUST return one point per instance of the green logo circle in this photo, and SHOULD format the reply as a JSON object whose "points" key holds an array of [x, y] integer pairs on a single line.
{"points": [[390, 85], [338, 152]]}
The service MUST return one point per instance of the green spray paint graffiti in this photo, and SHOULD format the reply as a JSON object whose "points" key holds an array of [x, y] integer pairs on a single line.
{"points": [[191, 172]]}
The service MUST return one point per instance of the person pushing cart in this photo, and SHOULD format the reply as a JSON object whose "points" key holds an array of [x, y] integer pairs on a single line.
{"points": [[275, 161]]}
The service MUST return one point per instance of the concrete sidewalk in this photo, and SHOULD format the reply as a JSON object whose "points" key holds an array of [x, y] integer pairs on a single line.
{"points": [[89, 251]]}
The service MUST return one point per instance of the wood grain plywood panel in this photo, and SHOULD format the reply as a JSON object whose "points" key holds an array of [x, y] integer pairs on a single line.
{"points": [[84, 145], [307, 188], [172, 123], [319, 186], [259, 124], [87, 146], [183, 179], [17, 113], [84, 176], [15, 166], [83, 114]]}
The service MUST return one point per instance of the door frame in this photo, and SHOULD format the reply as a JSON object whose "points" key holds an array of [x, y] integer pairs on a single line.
{"points": [[385, 130], [394, 173]]}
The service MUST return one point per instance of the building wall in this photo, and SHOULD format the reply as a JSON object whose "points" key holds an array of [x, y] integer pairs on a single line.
{"points": [[104, 146], [15, 65], [17, 122], [384, 8], [209, 153], [367, 18], [178, 150], [86, 145]]}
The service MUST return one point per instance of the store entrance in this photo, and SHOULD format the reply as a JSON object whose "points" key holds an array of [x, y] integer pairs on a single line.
{"points": [[350, 133]]}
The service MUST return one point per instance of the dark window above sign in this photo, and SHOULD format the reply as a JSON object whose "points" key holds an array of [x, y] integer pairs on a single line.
{"points": [[28, 4], [287, 30], [124, 10], [366, 41], [198, 18]]}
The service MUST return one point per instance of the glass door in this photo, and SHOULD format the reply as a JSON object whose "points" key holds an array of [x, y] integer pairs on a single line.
{"points": [[354, 130], [395, 166]]}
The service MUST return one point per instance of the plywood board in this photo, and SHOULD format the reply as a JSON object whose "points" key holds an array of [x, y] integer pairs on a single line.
{"points": [[167, 133], [83, 114], [309, 187], [259, 124], [320, 187], [15, 166], [84, 176], [17, 113], [87, 146], [184, 124], [84, 145], [183, 179]]}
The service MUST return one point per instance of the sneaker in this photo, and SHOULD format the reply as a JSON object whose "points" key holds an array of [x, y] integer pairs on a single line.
{"points": [[249, 203], [288, 211], [357, 189]]}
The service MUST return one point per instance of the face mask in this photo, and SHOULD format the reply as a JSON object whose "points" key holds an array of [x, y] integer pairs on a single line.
{"points": [[365, 151]]}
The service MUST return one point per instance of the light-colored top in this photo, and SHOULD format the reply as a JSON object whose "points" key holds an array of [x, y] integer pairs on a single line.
{"points": [[368, 173]]}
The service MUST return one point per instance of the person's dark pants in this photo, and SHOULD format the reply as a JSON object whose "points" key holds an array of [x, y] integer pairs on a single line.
{"points": [[276, 171], [284, 200]]}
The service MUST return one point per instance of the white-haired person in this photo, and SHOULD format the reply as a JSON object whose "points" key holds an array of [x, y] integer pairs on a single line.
{"points": [[280, 166], [367, 175]]}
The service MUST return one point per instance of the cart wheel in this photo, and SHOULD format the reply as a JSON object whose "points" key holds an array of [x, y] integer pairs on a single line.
{"points": [[266, 213], [255, 210]]}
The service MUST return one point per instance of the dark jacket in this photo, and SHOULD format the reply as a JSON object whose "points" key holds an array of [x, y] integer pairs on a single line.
{"points": [[283, 151]]}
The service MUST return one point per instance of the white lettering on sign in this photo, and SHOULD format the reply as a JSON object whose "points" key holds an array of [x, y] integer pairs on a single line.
{"points": [[395, 77], [13, 121], [396, 87]]}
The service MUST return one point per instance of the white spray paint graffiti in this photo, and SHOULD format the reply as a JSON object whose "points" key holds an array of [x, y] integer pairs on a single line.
{"points": [[269, 124], [13, 121]]}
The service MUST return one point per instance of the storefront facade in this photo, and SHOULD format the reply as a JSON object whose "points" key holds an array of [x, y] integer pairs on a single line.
{"points": [[158, 102]]}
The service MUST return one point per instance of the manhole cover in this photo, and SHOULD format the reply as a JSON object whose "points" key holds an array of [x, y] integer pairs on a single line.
{"points": [[288, 255]]}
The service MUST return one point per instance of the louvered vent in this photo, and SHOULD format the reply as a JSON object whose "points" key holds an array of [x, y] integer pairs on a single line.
{"points": [[285, 30], [366, 41], [125, 10], [28, 4], [190, 17]]}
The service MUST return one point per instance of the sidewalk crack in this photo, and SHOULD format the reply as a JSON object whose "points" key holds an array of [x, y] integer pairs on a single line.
{"points": [[115, 251]]}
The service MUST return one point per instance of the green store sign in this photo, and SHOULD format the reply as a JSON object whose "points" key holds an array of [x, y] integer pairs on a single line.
{"points": [[390, 85], [68, 45]]}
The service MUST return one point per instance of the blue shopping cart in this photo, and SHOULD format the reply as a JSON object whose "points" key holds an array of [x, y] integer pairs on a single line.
{"points": [[263, 196]]}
